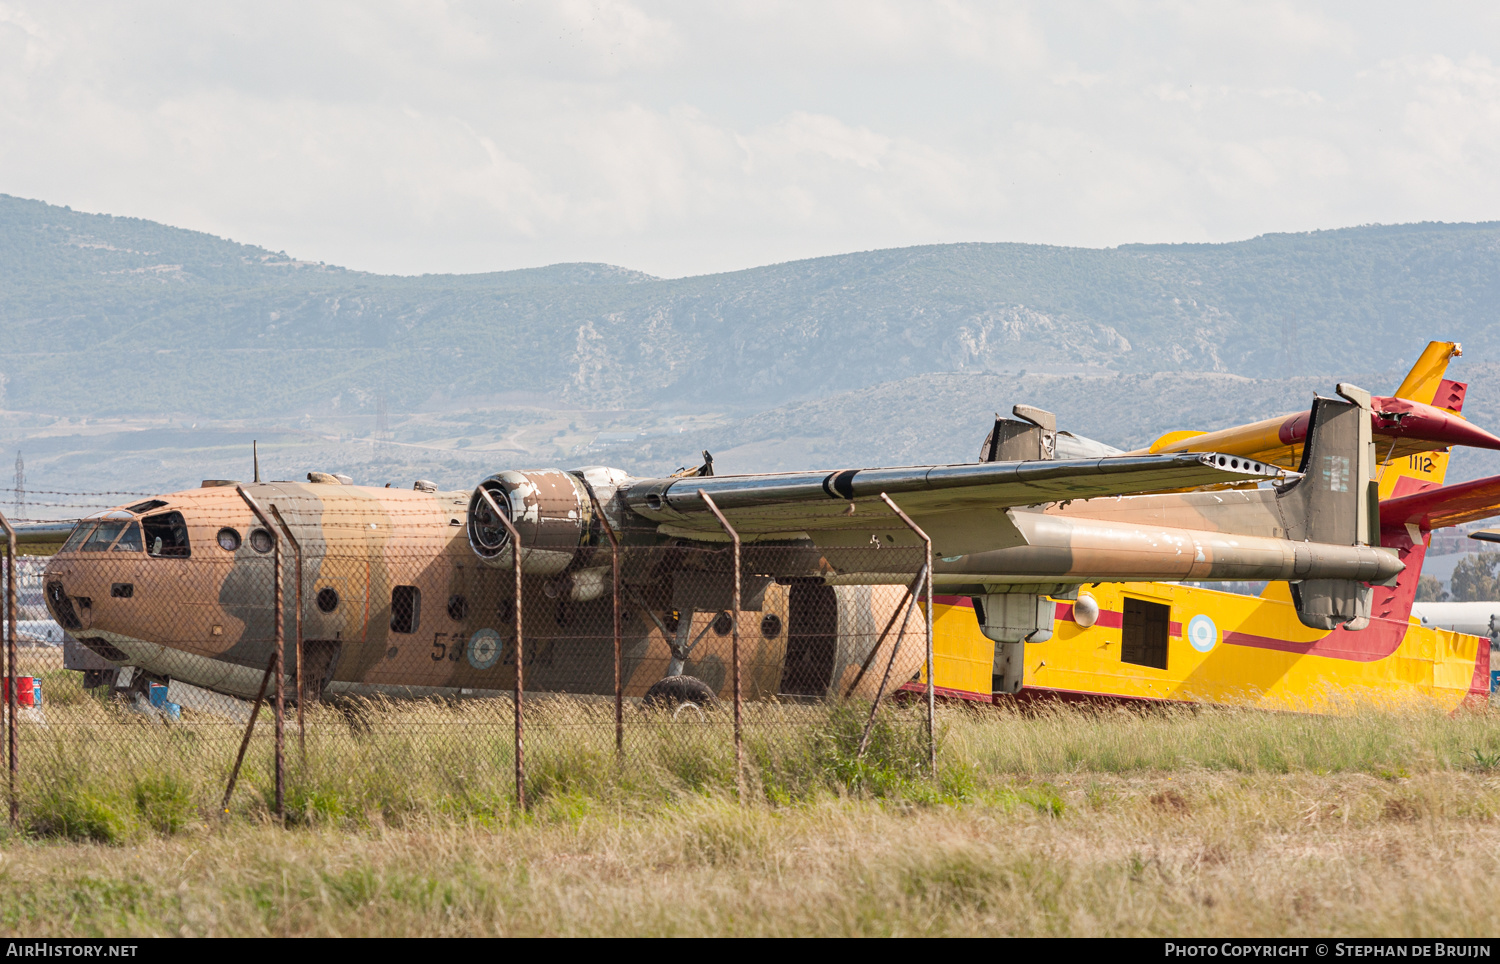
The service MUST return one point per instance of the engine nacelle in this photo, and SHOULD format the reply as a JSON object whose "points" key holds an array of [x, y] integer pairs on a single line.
{"points": [[550, 509]]}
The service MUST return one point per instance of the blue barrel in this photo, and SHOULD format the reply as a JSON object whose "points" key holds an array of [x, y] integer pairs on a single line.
{"points": [[159, 700]]}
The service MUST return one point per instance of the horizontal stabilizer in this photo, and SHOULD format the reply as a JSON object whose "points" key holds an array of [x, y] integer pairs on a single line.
{"points": [[1450, 505], [1401, 427], [1400, 418]]}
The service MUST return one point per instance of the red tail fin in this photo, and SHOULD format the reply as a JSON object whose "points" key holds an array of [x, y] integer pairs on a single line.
{"points": [[1417, 502]]}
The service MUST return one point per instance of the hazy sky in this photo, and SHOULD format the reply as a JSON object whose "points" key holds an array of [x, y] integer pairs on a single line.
{"points": [[681, 138]]}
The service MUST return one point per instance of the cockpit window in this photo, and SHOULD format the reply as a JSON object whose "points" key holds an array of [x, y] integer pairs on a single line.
{"points": [[103, 536], [80, 533], [131, 540], [166, 535], [146, 506]]}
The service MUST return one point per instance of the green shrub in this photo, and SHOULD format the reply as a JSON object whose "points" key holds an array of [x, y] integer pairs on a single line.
{"points": [[164, 803], [76, 812], [307, 805]]}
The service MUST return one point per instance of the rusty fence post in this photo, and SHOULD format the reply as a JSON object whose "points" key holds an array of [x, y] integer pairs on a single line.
{"points": [[907, 604], [297, 622], [614, 561], [515, 542], [13, 762], [739, 741], [278, 659], [234, 773], [931, 693]]}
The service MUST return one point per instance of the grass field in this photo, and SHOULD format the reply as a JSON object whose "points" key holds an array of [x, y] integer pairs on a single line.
{"points": [[1054, 822]]}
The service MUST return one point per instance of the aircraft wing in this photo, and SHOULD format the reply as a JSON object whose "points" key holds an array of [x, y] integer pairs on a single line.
{"points": [[39, 537], [812, 501], [1450, 505]]}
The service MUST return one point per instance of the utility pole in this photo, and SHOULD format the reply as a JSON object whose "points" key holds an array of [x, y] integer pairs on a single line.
{"points": [[382, 423]]}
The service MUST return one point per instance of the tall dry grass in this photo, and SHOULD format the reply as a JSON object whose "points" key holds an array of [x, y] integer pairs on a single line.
{"points": [[1046, 821], [1202, 854], [93, 769]]}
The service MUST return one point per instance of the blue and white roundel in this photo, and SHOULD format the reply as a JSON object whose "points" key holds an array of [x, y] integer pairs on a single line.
{"points": [[1202, 633], [484, 649]]}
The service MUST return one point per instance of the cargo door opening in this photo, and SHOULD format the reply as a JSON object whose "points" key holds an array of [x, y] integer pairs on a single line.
{"points": [[1143, 633], [811, 640]]}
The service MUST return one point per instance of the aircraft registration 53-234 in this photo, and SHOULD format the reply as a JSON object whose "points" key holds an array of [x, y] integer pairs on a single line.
{"points": [[1057, 564]]}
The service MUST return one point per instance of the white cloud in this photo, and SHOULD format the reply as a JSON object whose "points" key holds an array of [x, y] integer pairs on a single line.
{"points": [[683, 137], [1454, 112]]}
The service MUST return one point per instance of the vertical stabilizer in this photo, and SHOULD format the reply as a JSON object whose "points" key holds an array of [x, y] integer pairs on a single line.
{"points": [[1421, 383], [1336, 502], [1423, 472], [1030, 436], [1427, 382]]}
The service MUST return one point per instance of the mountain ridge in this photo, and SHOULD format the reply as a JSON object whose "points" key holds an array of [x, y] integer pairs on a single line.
{"points": [[141, 323]]}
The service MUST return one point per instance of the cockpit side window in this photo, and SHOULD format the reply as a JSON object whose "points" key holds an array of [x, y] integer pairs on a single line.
{"points": [[80, 533], [131, 540], [166, 535], [103, 536]]}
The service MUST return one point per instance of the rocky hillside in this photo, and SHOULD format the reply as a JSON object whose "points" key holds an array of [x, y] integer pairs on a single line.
{"points": [[138, 353], [179, 320]]}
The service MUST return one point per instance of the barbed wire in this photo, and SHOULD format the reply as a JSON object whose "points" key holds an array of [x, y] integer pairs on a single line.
{"points": [[30, 491]]}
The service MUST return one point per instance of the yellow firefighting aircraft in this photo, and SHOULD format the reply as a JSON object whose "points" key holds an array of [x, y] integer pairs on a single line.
{"points": [[1164, 641], [408, 592]]}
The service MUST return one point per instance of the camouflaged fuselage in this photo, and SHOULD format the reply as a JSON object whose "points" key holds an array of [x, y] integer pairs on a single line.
{"points": [[395, 602]]}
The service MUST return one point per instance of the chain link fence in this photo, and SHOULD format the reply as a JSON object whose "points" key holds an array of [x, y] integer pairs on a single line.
{"points": [[268, 663]]}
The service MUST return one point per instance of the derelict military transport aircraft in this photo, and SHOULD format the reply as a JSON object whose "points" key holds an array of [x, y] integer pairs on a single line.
{"points": [[179, 586]]}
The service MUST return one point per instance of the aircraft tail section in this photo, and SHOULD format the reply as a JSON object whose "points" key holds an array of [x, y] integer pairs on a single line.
{"points": [[1427, 375], [1406, 500], [1031, 435], [1404, 477], [1335, 502], [1406, 525], [1426, 384], [1417, 419]]}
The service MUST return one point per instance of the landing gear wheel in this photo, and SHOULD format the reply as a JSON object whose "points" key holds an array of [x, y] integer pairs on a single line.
{"points": [[679, 691], [692, 709]]}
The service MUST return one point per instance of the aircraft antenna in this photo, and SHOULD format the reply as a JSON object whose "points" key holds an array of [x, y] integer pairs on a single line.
{"points": [[255, 456]]}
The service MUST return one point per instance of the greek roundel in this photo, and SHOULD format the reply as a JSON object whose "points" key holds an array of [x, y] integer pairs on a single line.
{"points": [[1202, 633], [484, 649]]}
